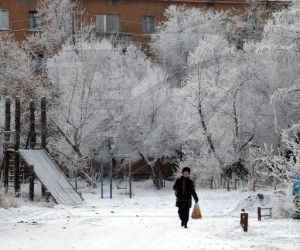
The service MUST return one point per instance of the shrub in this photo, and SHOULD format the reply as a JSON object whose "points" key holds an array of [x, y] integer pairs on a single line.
{"points": [[7, 201], [284, 205]]}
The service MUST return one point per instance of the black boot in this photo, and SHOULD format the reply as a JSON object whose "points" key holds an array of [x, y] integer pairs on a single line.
{"points": [[182, 223], [185, 224]]}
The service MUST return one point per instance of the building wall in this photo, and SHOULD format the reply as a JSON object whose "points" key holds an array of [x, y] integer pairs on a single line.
{"points": [[130, 11], [18, 15]]}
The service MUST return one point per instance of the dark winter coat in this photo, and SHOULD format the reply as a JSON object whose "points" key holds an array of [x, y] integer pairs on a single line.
{"points": [[184, 194]]}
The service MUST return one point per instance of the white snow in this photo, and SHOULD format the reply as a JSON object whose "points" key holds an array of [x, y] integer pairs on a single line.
{"points": [[147, 221]]}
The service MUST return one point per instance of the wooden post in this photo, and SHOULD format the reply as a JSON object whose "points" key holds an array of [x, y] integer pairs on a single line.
{"points": [[254, 185], [259, 213], [130, 179], [43, 133], [228, 184], [32, 125], [110, 178], [31, 145], [31, 183], [6, 138], [211, 183], [101, 177], [244, 220], [245, 227], [17, 146], [47, 196], [235, 183], [43, 122]]}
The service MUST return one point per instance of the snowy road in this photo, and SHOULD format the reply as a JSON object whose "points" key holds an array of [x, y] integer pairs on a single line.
{"points": [[148, 221]]}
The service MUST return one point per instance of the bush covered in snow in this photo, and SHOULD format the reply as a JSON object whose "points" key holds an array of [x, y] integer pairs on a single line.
{"points": [[284, 205], [7, 201]]}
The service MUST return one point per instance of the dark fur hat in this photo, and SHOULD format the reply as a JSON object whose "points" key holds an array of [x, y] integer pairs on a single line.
{"points": [[186, 169]]}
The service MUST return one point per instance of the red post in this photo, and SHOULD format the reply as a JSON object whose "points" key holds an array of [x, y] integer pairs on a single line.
{"points": [[241, 218], [244, 220]]}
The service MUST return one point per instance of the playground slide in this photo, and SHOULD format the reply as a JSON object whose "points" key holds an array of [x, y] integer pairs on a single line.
{"points": [[51, 176]]}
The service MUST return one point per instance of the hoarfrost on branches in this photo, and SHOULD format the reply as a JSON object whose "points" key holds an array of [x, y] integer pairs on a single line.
{"points": [[180, 34], [61, 23], [99, 85]]}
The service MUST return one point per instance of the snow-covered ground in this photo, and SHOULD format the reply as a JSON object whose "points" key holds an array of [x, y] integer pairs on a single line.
{"points": [[147, 221]]}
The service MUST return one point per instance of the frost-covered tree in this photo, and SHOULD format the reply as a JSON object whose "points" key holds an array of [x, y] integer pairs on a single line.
{"points": [[18, 76], [282, 167], [231, 91], [16, 72], [280, 163], [155, 131], [247, 25], [95, 82], [61, 23], [282, 29], [253, 20], [180, 34], [213, 92], [112, 102], [281, 46]]}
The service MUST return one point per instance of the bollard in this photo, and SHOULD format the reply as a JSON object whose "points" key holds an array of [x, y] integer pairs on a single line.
{"points": [[244, 220]]}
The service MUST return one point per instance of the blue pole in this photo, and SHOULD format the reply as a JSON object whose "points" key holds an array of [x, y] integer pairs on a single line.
{"points": [[110, 177]]}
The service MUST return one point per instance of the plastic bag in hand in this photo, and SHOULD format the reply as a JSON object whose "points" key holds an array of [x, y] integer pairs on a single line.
{"points": [[196, 214]]}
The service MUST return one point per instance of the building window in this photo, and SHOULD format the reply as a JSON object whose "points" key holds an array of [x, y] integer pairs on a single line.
{"points": [[34, 21], [149, 24], [108, 23], [4, 20]]}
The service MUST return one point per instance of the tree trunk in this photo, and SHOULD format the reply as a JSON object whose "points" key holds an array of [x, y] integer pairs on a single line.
{"points": [[208, 136]]}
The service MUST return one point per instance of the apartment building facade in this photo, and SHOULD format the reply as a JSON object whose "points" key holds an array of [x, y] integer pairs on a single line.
{"points": [[132, 20]]}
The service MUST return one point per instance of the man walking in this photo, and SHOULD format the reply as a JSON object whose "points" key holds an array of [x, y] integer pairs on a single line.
{"points": [[184, 190]]}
